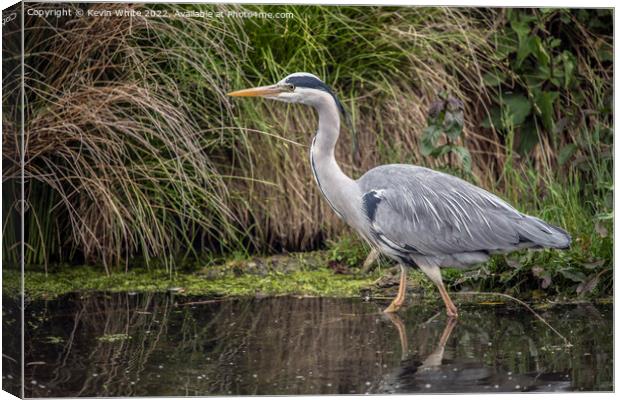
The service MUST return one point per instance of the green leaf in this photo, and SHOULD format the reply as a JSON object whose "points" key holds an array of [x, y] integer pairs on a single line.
{"points": [[555, 42], [545, 101], [528, 136], [539, 50], [569, 67], [566, 153], [494, 119], [506, 45], [522, 29], [432, 132], [566, 18], [573, 275], [430, 135], [525, 49], [536, 78], [453, 124], [517, 106], [464, 156], [441, 150]]}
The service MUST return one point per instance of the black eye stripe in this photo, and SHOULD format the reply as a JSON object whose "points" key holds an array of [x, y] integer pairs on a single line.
{"points": [[311, 82], [308, 82]]}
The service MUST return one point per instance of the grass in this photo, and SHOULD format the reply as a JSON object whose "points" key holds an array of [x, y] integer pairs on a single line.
{"points": [[136, 154], [135, 150]]}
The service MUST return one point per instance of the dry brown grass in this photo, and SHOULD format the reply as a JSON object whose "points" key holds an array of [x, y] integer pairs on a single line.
{"points": [[120, 151]]}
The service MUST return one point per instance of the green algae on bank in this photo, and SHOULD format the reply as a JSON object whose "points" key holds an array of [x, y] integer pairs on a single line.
{"points": [[316, 273], [320, 281]]}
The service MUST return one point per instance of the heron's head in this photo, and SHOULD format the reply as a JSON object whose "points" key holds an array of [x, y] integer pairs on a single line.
{"points": [[300, 87]]}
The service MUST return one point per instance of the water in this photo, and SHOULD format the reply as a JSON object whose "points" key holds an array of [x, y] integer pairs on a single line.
{"points": [[147, 344]]}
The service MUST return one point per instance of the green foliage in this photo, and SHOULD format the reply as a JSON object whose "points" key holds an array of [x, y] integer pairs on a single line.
{"points": [[548, 71], [445, 117], [548, 74], [348, 250]]}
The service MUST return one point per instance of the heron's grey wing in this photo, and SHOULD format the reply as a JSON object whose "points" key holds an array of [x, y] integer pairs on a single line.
{"points": [[419, 210]]}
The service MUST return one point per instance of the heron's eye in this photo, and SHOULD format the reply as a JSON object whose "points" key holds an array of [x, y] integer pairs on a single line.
{"points": [[289, 86]]}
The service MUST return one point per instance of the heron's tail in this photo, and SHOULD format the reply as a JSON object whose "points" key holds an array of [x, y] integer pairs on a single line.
{"points": [[542, 234]]}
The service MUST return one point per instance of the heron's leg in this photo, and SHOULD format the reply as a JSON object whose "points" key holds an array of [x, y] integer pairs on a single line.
{"points": [[447, 331], [370, 260], [434, 274], [399, 300], [436, 357], [402, 334], [451, 309]]}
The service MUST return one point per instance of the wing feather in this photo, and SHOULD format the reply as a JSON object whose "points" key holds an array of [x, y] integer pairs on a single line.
{"points": [[440, 214]]}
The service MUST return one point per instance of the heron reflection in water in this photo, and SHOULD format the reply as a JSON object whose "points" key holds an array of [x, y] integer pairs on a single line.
{"points": [[442, 371], [413, 215]]}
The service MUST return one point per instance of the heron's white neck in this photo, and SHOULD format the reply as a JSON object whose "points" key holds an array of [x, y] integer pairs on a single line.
{"points": [[339, 190]]}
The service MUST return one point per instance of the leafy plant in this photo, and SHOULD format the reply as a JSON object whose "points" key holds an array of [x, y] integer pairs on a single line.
{"points": [[445, 117], [541, 78], [348, 250]]}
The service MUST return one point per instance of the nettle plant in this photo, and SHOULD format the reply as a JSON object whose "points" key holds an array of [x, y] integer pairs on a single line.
{"points": [[547, 62], [445, 119]]}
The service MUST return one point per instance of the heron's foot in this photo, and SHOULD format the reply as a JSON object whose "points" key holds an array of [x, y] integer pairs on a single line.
{"points": [[452, 311], [450, 307]]}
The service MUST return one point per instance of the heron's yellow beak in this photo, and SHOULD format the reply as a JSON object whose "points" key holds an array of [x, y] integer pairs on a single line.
{"points": [[258, 91]]}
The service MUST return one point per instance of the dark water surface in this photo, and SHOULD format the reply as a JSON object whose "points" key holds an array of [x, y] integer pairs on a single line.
{"points": [[147, 344]]}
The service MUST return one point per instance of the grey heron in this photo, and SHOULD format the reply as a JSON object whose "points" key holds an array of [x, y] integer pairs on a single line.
{"points": [[414, 215]]}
